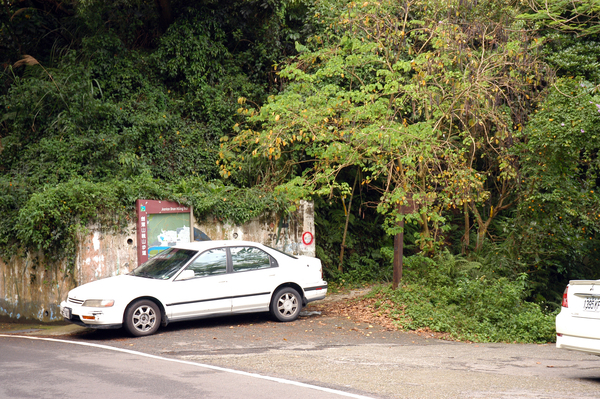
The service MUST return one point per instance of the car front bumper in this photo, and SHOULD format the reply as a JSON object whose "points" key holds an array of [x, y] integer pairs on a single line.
{"points": [[99, 318]]}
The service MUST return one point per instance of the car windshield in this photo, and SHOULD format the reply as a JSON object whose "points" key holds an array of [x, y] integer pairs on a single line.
{"points": [[164, 265]]}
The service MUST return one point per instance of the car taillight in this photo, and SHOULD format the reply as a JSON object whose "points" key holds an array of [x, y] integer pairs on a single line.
{"points": [[565, 302]]}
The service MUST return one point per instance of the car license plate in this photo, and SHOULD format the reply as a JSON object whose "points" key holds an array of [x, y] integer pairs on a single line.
{"points": [[66, 313], [591, 304]]}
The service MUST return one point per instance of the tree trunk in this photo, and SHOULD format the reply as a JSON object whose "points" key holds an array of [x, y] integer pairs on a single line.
{"points": [[466, 237], [165, 14], [340, 266], [481, 232], [398, 255]]}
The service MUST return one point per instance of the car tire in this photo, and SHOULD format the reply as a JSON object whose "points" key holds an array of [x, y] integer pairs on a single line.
{"points": [[142, 318], [286, 304]]}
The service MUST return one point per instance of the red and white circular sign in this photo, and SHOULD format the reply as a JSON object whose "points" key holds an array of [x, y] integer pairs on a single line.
{"points": [[307, 238]]}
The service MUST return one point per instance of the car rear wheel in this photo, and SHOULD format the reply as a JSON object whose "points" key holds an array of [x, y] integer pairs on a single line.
{"points": [[142, 318], [286, 304]]}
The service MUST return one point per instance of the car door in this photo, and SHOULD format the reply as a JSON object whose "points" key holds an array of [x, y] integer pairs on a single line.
{"points": [[207, 292], [253, 277]]}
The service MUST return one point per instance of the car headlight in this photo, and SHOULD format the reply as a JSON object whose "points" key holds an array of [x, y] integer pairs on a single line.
{"points": [[99, 303]]}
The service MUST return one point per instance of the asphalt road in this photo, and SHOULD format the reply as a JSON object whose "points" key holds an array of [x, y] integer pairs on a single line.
{"points": [[49, 368], [341, 353]]}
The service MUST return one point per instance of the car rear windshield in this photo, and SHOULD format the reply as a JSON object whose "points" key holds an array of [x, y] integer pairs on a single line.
{"points": [[281, 252], [164, 265]]}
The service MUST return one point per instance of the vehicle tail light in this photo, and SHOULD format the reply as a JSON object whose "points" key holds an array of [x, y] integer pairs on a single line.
{"points": [[565, 301]]}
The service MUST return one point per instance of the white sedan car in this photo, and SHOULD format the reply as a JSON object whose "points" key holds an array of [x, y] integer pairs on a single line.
{"points": [[578, 323], [196, 280]]}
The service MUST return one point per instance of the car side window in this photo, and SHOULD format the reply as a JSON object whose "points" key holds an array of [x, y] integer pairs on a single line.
{"points": [[250, 258], [210, 263]]}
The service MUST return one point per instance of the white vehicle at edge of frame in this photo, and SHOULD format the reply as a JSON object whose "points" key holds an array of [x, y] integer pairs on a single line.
{"points": [[578, 323], [199, 280]]}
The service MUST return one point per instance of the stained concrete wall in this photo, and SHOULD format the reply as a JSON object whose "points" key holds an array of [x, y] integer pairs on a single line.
{"points": [[32, 288], [29, 289], [283, 233]]}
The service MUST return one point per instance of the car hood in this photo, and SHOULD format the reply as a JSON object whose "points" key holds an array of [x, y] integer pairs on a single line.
{"points": [[114, 287]]}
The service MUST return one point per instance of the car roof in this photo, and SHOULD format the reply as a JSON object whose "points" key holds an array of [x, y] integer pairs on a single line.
{"points": [[203, 245]]}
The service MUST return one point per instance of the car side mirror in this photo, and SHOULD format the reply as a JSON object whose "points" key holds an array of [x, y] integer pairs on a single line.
{"points": [[186, 275]]}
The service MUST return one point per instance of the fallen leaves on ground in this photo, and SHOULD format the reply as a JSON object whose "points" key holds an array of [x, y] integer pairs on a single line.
{"points": [[374, 310]]}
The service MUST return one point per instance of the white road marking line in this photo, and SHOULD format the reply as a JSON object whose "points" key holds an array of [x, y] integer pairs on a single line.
{"points": [[253, 375]]}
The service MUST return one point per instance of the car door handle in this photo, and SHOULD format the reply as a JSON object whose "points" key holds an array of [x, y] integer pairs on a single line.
{"points": [[224, 281]]}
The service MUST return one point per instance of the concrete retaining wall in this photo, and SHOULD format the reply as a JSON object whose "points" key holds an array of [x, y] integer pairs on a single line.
{"points": [[32, 287]]}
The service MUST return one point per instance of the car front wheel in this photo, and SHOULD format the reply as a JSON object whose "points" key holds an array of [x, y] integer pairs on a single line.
{"points": [[142, 318], [286, 304]]}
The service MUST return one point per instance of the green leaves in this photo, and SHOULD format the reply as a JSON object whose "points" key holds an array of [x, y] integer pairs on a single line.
{"points": [[116, 118], [227, 202], [193, 51], [409, 97], [560, 170], [468, 300], [577, 16], [50, 220]]}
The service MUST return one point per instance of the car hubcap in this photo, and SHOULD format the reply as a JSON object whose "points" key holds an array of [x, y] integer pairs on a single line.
{"points": [[144, 318], [287, 304]]}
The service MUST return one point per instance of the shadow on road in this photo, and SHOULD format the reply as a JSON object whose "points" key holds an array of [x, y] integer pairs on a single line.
{"points": [[221, 322]]}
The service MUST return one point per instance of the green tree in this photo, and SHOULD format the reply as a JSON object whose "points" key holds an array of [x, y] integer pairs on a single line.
{"points": [[569, 32], [580, 17], [420, 98], [558, 217], [111, 98]]}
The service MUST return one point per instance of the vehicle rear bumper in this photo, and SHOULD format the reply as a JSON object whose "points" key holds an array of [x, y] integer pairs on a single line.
{"points": [[578, 325], [314, 293], [588, 345]]}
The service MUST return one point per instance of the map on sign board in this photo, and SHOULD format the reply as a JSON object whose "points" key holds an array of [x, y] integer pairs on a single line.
{"points": [[166, 230]]}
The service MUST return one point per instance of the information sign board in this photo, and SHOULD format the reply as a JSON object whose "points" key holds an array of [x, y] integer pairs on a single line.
{"points": [[160, 225]]}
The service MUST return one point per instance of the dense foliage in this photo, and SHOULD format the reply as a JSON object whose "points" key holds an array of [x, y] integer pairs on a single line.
{"points": [[475, 123], [123, 107], [469, 299]]}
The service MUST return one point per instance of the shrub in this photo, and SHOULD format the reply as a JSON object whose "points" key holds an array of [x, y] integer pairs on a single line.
{"points": [[469, 301]]}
